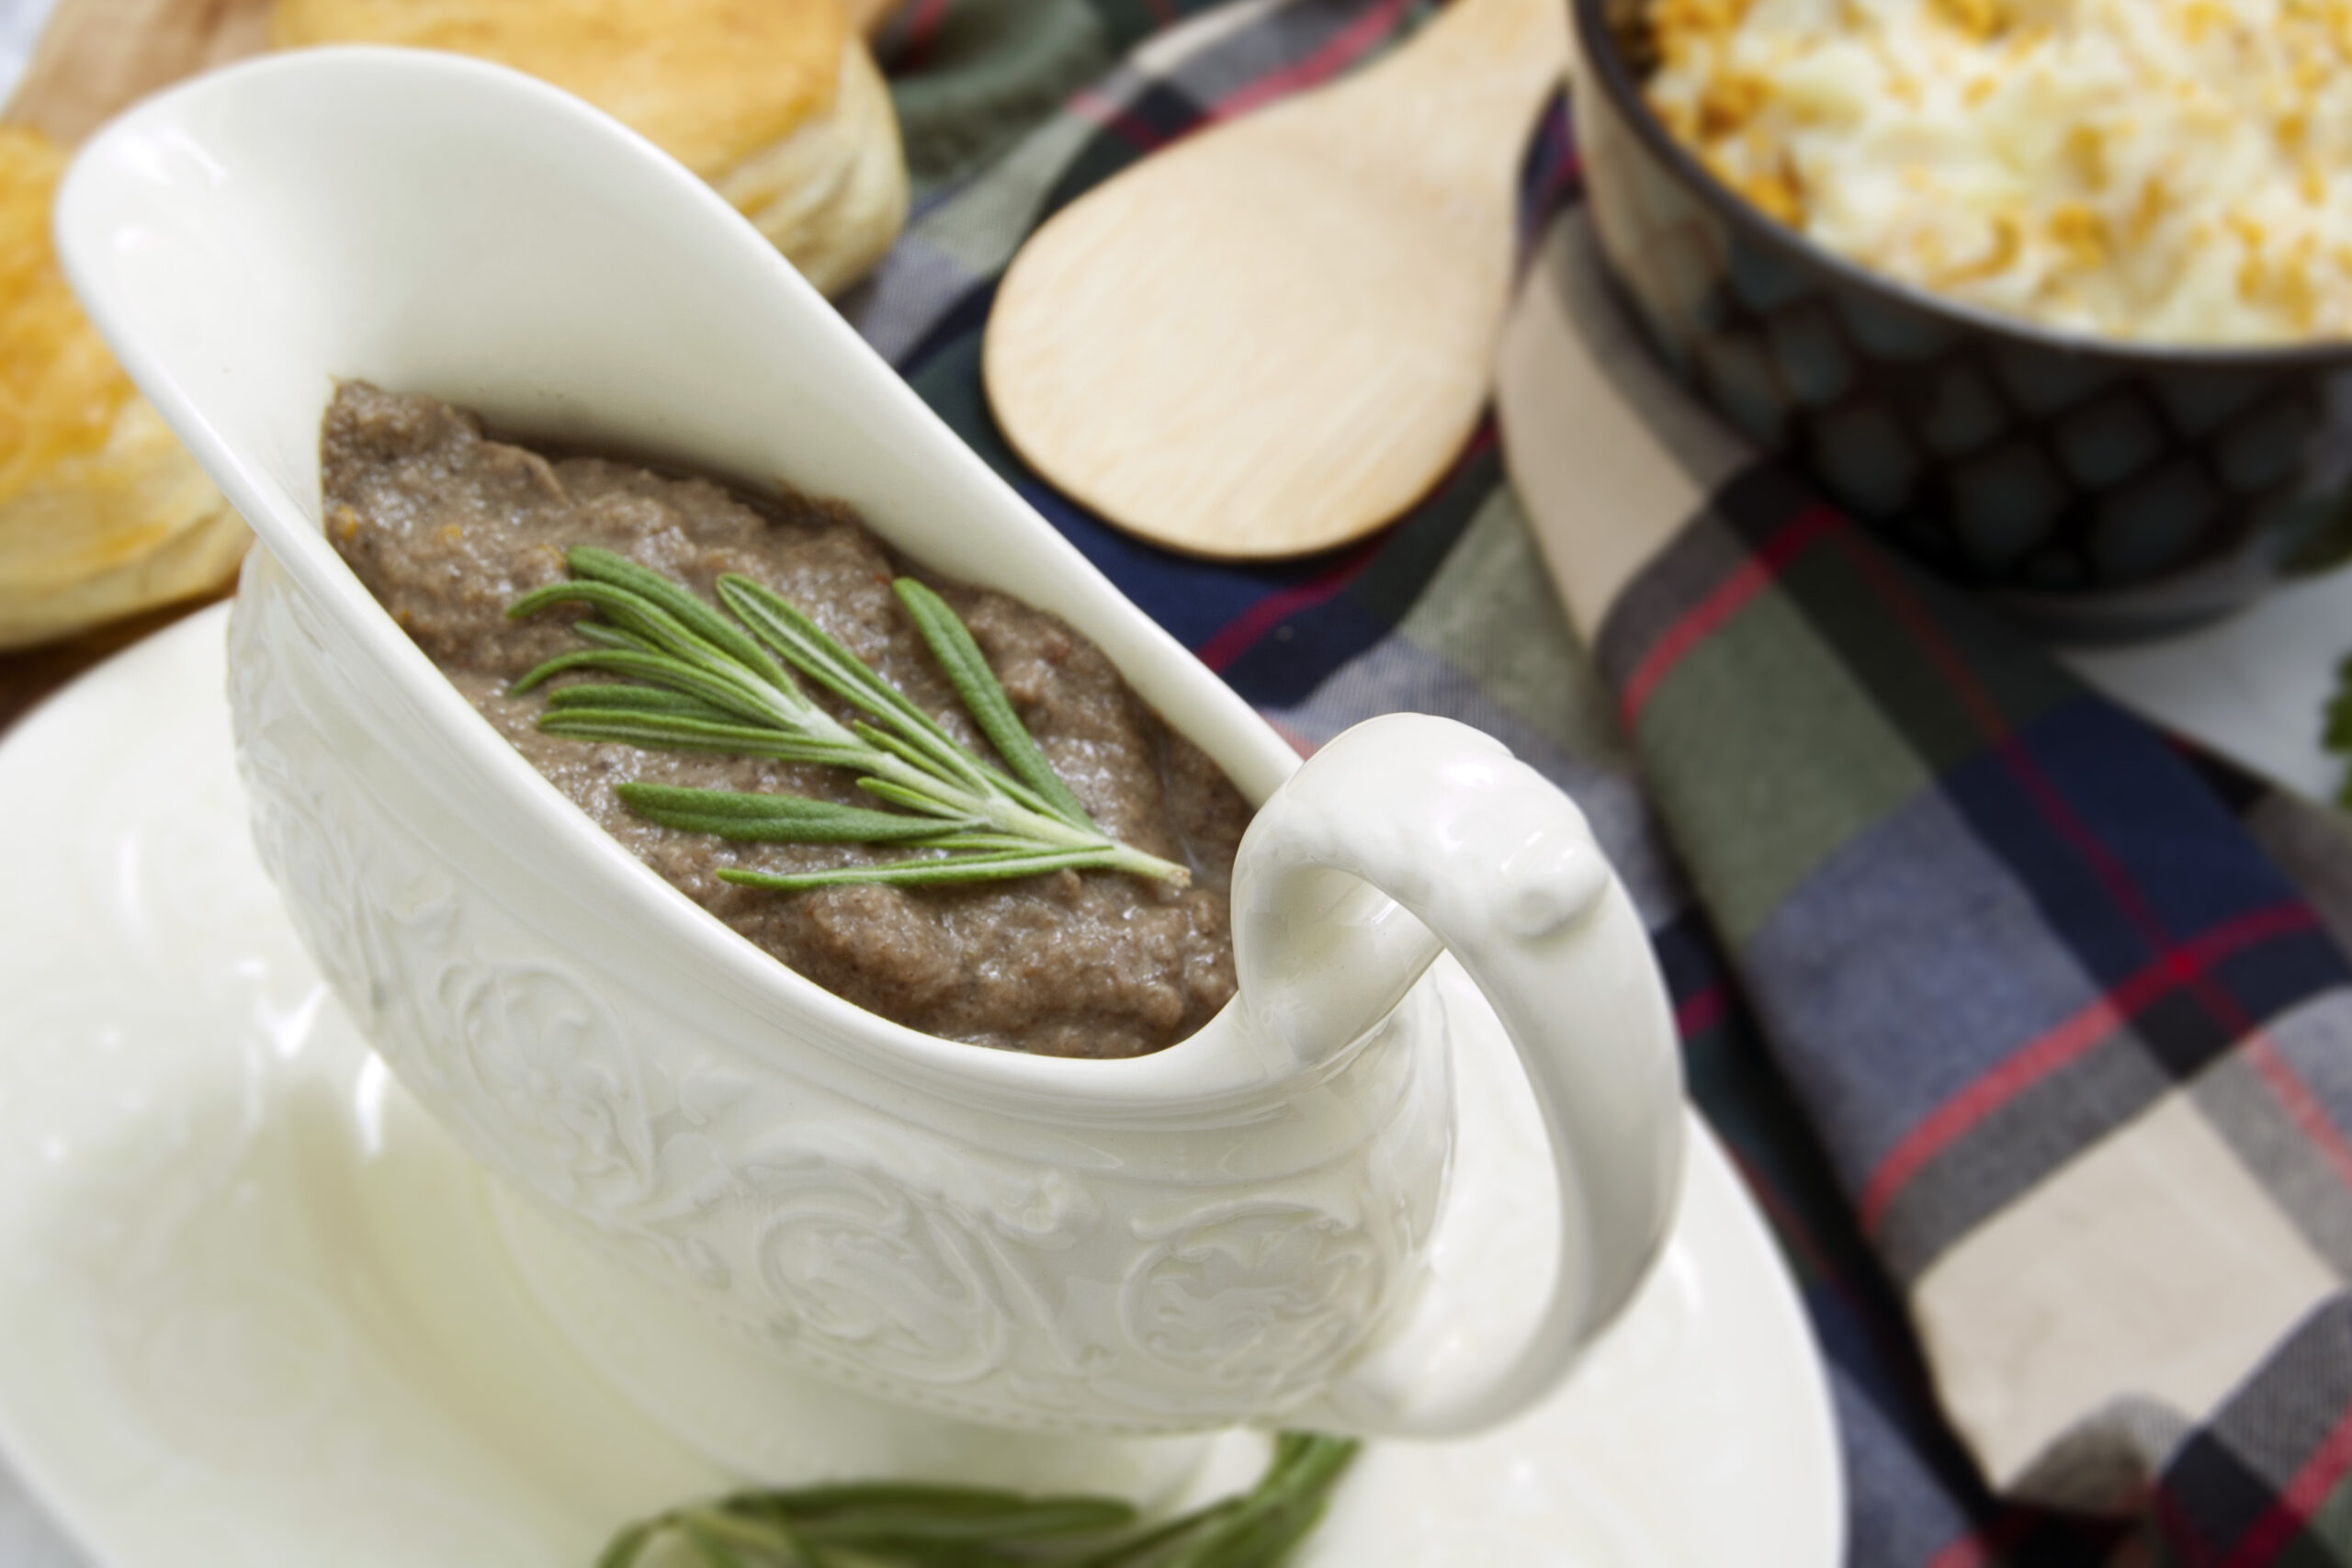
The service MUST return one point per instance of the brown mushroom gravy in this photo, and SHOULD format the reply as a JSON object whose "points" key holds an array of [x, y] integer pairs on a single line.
{"points": [[446, 527]]}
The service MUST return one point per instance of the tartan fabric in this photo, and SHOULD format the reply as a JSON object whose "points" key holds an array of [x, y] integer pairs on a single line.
{"points": [[2030, 1028]]}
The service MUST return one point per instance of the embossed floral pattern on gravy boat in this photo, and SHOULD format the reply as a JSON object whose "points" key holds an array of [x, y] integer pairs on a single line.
{"points": [[1233, 1230]]}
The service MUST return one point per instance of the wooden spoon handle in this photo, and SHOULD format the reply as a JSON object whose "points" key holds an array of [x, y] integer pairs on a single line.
{"points": [[96, 57], [1474, 77]]}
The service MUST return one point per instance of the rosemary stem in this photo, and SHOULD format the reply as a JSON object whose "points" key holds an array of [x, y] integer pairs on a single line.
{"points": [[727, 1526], [1010, 816]]}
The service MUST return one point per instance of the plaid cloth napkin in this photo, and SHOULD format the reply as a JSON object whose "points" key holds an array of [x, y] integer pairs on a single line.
{"points": [[2030, 1029]]}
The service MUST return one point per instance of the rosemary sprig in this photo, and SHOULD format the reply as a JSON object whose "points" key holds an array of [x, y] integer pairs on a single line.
{"points": [[690, 678], [894, 1525]]}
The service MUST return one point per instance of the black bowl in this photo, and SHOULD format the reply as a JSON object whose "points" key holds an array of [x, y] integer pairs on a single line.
{"points": [[2099, 489]]}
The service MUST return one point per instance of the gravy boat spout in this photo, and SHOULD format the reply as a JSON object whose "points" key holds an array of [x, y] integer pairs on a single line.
{"points": [[1234, 1230]]}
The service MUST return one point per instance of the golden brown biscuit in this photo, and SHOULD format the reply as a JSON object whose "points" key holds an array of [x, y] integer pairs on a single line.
{"points": [[102, 512], [776, 103]]}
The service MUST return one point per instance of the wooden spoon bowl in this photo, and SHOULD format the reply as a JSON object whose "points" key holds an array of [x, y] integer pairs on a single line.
{"points": [[1275, 336]]}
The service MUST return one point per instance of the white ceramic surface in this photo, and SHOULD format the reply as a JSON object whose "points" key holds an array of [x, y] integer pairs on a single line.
{"points": [[258, 1314], [2255, 687], [1235, 1229]]}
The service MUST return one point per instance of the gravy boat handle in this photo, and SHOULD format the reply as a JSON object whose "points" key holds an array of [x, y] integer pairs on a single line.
{"points": [[1409, 834]]}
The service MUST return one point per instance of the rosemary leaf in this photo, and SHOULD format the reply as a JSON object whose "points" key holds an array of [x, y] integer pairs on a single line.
{"points": [[1154, 1546], [708, 1545], [720, 688], [653, 627], [629, 661], [1264, 1540], [951, 643], [809, 649], [694, 719], [677, 673], [774, 818], [941, 872], [991, 842], [754, 1516], [1019, 1523], [605, 697], [899, 795], [968, 772], [571, 590], [605, 636], [902, 1526], [605, 566], [663, 732], [654, 645], [1254, 1531], [626, 1547], [930, 1498], [791, 632]]}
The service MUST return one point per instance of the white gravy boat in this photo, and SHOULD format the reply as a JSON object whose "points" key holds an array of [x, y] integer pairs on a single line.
{"points": [[1236, 1230]]}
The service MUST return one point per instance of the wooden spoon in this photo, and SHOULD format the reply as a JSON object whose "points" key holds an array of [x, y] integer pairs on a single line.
{"points": [[1275, 336]]}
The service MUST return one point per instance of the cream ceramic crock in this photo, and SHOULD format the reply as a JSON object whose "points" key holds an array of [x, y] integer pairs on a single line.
{"points": [[1235, 1230]]}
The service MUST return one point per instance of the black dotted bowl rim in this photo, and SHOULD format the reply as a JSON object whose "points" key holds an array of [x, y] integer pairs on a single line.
{"points": [[1604, 63]]}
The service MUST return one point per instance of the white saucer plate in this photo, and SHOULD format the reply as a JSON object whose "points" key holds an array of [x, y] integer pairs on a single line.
{"points": [[255, 1309]]}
